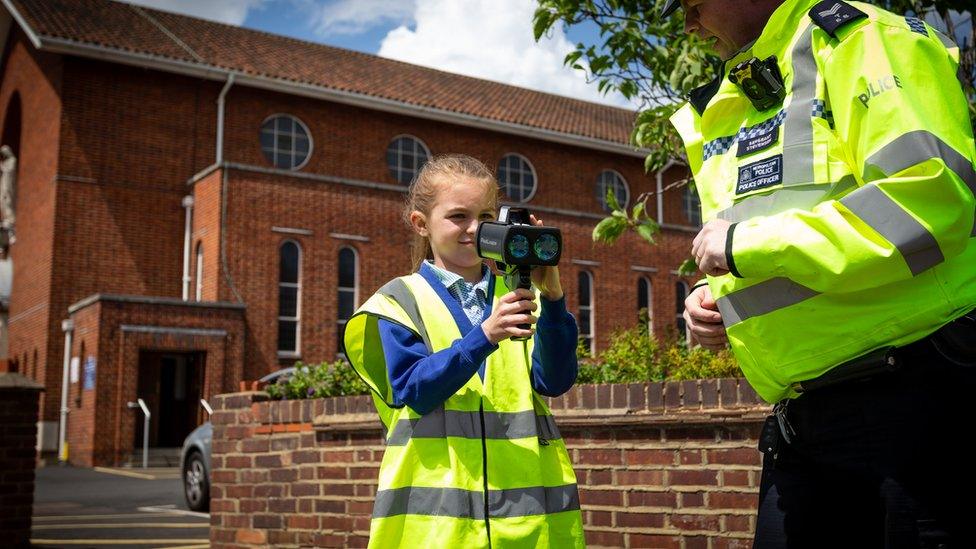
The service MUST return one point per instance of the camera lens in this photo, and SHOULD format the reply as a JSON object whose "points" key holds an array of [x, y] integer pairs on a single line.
{"points": [[753, 89], [518, 246], [546, 247]]}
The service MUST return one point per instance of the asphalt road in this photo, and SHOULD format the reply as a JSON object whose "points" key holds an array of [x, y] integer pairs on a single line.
{"points": [[76, 507]]}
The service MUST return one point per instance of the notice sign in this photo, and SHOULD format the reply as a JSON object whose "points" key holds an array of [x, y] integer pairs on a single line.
{"points": [[89, 382], [75, 367]]}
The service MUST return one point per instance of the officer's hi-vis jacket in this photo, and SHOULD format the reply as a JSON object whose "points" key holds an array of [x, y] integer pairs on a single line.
{"points": [[852, 201]]}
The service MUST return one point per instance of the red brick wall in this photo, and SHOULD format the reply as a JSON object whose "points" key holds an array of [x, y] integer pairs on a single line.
{"points": [[100, 427], [18, 436], [119, 144], [34, 330], [658, 465]]}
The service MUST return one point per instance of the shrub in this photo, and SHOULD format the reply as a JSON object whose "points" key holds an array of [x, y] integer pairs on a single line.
{"points": [[634, 356], [327, 379]]}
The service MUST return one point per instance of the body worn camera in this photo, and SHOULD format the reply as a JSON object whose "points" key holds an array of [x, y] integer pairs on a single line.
{"points": [[761, 81], [517, 246]]}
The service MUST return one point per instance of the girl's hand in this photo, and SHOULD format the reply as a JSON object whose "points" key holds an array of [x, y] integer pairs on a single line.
{"points": [[546, 279], [513, 308]]}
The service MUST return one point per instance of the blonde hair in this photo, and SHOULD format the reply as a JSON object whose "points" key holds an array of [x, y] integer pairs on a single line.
{"points": [[434, 175]]}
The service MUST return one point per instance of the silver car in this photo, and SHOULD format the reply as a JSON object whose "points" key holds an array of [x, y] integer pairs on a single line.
{"points": [[195, 456]]}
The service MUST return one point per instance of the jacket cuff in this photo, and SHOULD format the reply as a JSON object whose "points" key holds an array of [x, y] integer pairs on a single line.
{"points": [[729, 258]]}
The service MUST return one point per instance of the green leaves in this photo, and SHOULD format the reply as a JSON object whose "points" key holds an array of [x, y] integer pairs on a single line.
{"points": [[611, 228], [688, 267]]}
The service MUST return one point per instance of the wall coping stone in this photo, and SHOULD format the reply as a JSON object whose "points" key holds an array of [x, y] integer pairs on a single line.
{"points": [[13, 380], [146, 300]]}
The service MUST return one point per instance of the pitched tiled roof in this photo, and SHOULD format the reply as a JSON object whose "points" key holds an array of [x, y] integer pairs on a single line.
{"points": [[137, 30]]}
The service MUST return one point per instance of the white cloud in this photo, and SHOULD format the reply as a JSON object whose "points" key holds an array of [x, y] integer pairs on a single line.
{"points": [[490, 39], [351, 17], [232, 12]]}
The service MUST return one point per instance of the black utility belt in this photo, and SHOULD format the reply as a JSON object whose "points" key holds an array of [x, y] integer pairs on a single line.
{"points": [[956, 342]]}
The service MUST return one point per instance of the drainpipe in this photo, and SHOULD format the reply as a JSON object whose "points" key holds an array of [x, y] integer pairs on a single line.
{"points": [[67, 326], [220, 118], [188, 226]]}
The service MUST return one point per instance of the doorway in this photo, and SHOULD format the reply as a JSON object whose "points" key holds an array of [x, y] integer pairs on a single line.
{"points": [[171, 385]]}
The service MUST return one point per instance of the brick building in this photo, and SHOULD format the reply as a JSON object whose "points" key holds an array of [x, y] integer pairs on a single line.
{"points": [[199, 204]]}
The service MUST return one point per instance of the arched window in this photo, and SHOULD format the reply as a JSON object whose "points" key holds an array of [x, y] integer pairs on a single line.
{"points": [[517, 177], [645, 303], [286, 141], [692, 206], [611, 180], [289, 298], [199, 274], [680, 293], [405, 156], [348, 291], [585, 284]]}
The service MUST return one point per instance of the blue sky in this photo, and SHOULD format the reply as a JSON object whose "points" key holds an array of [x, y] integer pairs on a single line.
{"points": [[489, 39]]}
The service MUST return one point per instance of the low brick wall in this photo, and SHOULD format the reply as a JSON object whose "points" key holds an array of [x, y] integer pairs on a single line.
{"points": [[659, 465], [18, 456]]}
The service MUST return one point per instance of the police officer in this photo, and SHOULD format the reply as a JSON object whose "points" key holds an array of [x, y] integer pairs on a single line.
{"points": [[834, 159]]}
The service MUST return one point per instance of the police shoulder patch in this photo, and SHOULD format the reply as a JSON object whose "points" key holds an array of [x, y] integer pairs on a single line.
{"points": [[831, 15]]}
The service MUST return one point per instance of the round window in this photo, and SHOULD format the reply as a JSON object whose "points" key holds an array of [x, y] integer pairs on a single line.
{"points": [[610, 180], [285, 142], [517, 177]]}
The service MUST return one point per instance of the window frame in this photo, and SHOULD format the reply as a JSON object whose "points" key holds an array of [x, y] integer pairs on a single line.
{"points": [[298, 302], [535, 177], [601, 197], [590, 308], [418, 140], [198, 273], [650, 302], [339, 289], [308, 132], [687, 200], [679, 318]]}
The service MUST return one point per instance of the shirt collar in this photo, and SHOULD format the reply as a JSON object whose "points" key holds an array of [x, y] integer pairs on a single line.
{"points": [[449, 279]]}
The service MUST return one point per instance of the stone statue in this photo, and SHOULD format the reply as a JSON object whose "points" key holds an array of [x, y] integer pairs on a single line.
{"points": [[8, 195]]}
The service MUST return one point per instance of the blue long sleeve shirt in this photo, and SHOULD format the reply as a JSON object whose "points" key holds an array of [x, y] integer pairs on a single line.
{"points": [[424, 381]]}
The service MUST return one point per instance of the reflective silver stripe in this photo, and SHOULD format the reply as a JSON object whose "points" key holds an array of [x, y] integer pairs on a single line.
{"points": [[398, 290], [538, 500], [803, 197], [467, 504], [914, 148], [884, 215], [949, 43], [765, 297], [441, 502], [441, 423], [798, 127]]}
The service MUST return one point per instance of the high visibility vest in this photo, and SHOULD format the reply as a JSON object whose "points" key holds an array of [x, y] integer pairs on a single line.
{"points": [[853, 200], [487, 464]]}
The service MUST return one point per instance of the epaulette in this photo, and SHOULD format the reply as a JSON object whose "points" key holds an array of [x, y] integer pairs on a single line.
{"points": [[831, 15]]}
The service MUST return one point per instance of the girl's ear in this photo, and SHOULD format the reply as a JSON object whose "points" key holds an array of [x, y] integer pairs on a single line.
{"points": [[419, 222]]}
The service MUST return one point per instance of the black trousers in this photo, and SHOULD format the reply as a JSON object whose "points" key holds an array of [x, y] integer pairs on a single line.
{"points": [[880, 462]]}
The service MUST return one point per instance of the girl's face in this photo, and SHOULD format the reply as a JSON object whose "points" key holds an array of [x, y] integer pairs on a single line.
{"points": [[460, 205]]}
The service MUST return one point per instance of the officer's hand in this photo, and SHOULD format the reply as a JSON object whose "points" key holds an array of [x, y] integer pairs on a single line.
{"points": [[708, 248], [546, 279], [703, 319], [513, 308]]}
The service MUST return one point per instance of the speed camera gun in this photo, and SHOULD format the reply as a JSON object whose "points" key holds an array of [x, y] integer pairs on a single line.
{"points": [[517, 246]]}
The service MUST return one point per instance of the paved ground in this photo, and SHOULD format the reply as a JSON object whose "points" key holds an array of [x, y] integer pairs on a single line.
{"points": [[76, 507]]}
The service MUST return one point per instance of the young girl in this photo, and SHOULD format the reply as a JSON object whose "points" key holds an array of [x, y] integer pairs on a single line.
{"points": [[473, 456]]}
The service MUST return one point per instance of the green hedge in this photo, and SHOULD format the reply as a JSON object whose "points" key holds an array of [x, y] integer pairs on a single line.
{"points": [[632, 357], [327, 379]]}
